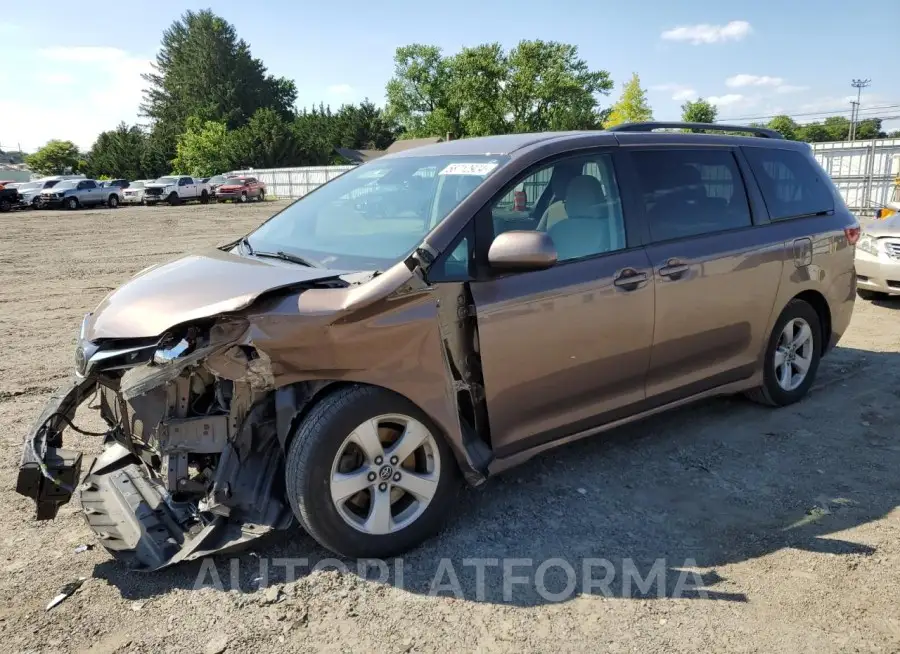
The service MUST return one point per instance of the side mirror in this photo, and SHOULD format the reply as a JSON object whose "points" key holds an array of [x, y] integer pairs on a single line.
{"points": [[521, 251]]}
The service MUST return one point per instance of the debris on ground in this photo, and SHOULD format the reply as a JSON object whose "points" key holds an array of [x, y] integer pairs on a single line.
{"points": [[66, 591], [83, 548]]}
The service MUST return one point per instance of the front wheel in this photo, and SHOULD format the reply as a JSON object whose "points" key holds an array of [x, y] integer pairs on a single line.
{"points": [[244, 197], [368, 474], [172, 199], [5, 205], [72, 203], [792, 356]]}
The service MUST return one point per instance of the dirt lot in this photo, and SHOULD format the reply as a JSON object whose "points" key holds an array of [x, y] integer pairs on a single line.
{"points": [[790, 516]]}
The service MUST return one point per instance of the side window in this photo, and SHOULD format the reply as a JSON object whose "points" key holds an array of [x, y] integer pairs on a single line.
{"points": [[89, 184], [691, 192], [790, 183], [575, 200], [456, 265], [184, 181], [81, 186]]}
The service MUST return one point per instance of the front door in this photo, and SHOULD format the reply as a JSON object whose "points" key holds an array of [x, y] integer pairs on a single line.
{"points": [[716, 273], [567, 348]]}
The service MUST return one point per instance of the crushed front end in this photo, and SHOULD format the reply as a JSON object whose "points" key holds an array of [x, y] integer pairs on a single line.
{"points": [[191, 460]]}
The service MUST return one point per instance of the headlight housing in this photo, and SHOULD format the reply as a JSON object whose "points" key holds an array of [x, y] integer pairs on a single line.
{"points": [[868, 244]]}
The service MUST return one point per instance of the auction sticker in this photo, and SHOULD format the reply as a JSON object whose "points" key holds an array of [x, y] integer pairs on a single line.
{"points": [[480, 169]]}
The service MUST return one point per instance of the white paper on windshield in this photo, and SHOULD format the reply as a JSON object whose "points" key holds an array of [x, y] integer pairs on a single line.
{"points": [[480, 169]]}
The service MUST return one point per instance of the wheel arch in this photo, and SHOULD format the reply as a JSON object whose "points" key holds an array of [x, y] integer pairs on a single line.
{"points": [[294, 402], [820, 304]]}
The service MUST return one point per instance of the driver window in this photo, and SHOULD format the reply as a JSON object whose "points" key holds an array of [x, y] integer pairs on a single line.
{"points": [[575, 200]]}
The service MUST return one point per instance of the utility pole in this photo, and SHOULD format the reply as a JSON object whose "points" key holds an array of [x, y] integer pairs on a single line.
{"points": [[859, 85]]}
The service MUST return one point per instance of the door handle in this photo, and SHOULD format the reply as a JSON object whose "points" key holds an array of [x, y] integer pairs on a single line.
{"points": [[630, 279], [674, 269]]}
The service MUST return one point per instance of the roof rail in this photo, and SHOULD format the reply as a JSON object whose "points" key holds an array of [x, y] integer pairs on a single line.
{"points": [[650, 126]]}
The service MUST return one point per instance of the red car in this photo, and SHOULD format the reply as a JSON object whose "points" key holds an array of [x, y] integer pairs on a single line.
{"points": [[241, 189]]}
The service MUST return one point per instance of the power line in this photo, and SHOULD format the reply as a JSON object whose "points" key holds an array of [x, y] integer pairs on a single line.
{"points": [[835, 112]]}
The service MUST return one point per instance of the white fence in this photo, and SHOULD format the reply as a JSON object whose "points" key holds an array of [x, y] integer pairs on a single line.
{"points": [[293, 182], [865, 173]]}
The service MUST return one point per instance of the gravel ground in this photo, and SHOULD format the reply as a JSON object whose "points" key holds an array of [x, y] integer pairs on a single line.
{"points": [[770, 531]]}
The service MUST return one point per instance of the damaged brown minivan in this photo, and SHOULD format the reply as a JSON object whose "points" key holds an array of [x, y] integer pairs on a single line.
{"points": [[436, 316]]}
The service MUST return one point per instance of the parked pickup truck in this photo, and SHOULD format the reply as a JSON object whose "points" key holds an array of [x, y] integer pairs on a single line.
{"points": [[75, 193], [174, 189]]}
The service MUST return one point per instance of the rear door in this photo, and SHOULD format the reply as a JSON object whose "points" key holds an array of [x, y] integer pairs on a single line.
{"points": [[565, 349], [716, 270]]}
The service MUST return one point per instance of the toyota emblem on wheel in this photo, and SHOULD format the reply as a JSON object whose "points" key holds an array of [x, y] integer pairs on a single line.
{"points": [[386, 472]]}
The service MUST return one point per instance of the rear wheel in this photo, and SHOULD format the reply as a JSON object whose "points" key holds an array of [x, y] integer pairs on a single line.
{"points": [[72, 203], [112, 201], [262, 195], [792, 356], [368, 474], [204, 198]]}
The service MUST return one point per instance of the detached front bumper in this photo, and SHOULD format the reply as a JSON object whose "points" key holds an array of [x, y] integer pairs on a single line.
{"points": [[48, 473], [144, 496]]}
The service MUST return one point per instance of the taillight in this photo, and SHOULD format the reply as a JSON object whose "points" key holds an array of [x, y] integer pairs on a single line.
{"points": [[852, 234]]}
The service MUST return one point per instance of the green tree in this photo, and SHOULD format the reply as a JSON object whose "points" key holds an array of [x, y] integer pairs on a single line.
{"points": [[118, 153], [870, 128], [266, 141], [813, 133], [838, 128], [786, 126], [362, 126], [55, 158], [205, 148], [699, 111], [537, 86], [203, 69], [550, 88], [632, 107]]}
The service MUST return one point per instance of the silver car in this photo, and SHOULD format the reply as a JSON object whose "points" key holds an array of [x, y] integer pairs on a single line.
{"points": [[878, 259]]}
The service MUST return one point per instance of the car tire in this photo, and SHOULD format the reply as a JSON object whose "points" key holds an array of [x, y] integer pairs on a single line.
{"points": [[5, 205], [871, 296], [244, 198], [173, 199], [204, 198], [262, 196], [72, 203], [774, 391], [36, 203], [113, 201], [320, 445]]}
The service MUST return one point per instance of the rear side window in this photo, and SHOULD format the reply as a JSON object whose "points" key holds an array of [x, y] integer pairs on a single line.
{"points": [[791, 185], [691, 192]]}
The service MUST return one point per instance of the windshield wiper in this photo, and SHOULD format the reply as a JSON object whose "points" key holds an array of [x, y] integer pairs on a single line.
{"points": [[286, 256]]}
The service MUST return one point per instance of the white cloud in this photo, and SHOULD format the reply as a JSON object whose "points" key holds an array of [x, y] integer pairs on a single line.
{"points": [[679, 92], [739, 81], [72, 93], [725, 100], [684, 94], [340, 89], [697, 34]]}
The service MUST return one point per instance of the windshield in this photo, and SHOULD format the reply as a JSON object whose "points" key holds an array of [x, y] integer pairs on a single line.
{"points": [[218, 179], [167, 180], [374, 215], [137, 184], [31, 186]]}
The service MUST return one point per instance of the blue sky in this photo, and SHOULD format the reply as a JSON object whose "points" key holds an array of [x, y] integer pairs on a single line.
{"points": [[752, 59]]}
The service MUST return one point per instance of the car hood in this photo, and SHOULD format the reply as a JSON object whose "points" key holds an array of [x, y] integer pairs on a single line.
{"points": [[231, 187], [881, 228], [158, 186], [192, 287]]}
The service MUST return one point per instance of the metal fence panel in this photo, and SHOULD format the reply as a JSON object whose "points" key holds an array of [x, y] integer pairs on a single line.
{"points": [[293, 182], [865, 172]]}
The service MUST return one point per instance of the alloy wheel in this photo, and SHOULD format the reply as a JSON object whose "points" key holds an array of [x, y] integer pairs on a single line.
{"points": [[385, 474], [793, 354]]}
